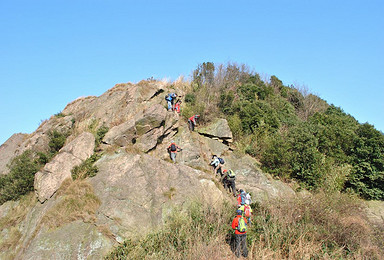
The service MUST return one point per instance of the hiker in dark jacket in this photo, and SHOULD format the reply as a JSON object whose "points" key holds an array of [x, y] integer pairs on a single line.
{"points": [[173, 149], [192, 122], [228, 180]]}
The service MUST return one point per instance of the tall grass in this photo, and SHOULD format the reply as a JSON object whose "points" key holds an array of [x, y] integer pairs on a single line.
{"points": [[197, 232], [317, 227], [330, 226]]}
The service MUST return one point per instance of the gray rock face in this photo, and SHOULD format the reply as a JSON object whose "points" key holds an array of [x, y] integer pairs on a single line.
{"points": [[8, 150], [219, 129], [136, 179], [154, 117], [55, 172], [121, 135], [133, 187], [77, 240]]}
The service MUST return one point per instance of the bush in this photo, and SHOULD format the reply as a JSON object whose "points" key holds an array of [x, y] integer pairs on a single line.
{"points": [[57, 141], [19, 181], [323, 226], [190, 98], [86, 169], [100, 133]]}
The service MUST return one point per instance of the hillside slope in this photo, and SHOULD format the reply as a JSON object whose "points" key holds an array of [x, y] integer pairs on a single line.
{"points": [[128, 129]]}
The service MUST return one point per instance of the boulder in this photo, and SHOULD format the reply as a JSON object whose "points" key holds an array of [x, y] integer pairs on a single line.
{"points": [[9, 149], [121, 135], [149, 140], [152, 118], [48, 180], [218, 129], [76, 240], [132, 187]]}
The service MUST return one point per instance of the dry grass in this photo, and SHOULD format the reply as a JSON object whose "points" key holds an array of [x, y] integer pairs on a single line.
{"points": [[19, 212], [77, 202], [320, 227]]}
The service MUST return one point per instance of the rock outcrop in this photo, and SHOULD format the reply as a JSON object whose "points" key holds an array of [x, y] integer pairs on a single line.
{"points": [[48, 181], [7, 150], [136, 179]]}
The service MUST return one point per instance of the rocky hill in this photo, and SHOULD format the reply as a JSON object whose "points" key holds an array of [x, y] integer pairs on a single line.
{"points": [[85, 219]]}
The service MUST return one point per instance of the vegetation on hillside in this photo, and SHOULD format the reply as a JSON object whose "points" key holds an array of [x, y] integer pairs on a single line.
{"points": [[19, 181], [325, 226], [294, 134]]}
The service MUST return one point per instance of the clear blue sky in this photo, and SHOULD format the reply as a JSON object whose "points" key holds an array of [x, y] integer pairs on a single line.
{"points": [[52, 52]]}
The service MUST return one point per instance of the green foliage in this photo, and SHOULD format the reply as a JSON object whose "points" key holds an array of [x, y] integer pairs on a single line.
{"points": [[329, 226], [190, 98], [100, 133], [204, 74], [60, 114], [367, 176], [19, 181], [226, 101], [86, 169], [57, 141]]}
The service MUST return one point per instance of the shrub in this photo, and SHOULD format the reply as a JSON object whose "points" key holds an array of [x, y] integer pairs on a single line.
{"points": [[86, 169], [190, 98], [57, 141], [19, 181], [322, 226], [100, 133]]}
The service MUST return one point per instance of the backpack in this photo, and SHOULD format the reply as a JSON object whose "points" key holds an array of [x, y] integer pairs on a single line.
{"points": [[247, 211], [248, 199], [221, 160], [231, 174], [242, 226], [173, 147], [242, 196]]}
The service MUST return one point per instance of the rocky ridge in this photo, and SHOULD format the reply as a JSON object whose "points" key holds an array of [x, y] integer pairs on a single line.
{"points": [[136, 178]]}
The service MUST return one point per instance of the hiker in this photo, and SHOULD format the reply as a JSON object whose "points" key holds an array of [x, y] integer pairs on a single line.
{"points": [[177, 106], [228, 179], [248, 199], [171, 97], [192, 122], [247, 211], [173, 149], [239, 224], [241, 198], [217, 163]]}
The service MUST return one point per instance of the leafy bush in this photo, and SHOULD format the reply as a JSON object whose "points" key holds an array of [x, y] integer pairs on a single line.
{"points": [[330, 226], [86, 168], [19, 181], [190, 98], [57, 141], [100, 133]]}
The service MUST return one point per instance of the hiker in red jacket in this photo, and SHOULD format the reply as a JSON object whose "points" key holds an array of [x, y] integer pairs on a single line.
{"points": [[177, 106], [192, 122], [239, 224], [173, 149]]}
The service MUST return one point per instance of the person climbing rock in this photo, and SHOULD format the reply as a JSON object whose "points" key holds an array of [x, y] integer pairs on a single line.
{"points": [[228, 180], [192, 122], [239, 224], [173, 149], [241, 198], [177, 106], [170, 98], [216, 163], [247, 211]]}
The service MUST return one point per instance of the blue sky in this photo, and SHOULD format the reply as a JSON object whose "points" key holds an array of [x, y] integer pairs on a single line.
{"points": [[52, 52]]}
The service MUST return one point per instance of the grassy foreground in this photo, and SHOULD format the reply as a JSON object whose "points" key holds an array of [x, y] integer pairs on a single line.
{"points": [[318, 227]]}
